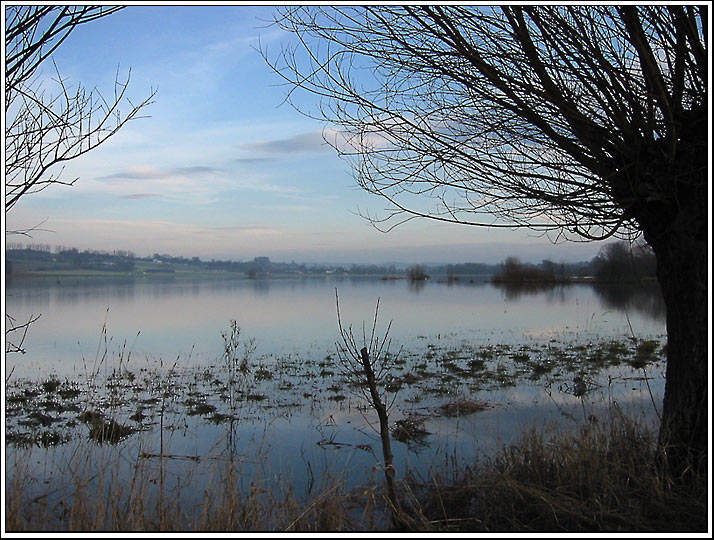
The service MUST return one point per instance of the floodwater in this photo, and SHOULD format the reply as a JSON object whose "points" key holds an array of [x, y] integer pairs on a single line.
{"points": [[149, 353], [165, 320]]}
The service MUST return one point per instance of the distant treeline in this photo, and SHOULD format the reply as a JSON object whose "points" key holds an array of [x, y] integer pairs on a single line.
{"points": [[39, 258], [617, 262]]}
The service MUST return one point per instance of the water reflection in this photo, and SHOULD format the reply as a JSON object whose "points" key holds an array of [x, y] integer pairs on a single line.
{"points": [[645, 298], [416, 286], [514, 291], [294, 316], [261, 286]]}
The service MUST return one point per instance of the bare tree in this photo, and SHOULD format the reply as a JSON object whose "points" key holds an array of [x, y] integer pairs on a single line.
{"points": [[584, 122], [366, 368], [45, 126], [48, 122]]}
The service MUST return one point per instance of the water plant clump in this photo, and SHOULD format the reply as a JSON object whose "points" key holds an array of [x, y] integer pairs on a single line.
{"points": [[50, 385], [262, 374], [410, 429], [42, 438], [37, 418], [102, 430], [211, 394], [461, 407], [201, 408], [644, 353]]}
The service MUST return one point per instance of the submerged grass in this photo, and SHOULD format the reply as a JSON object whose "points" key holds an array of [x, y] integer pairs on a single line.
{"points": [[214, 391], [600, 479], [461, 407]]}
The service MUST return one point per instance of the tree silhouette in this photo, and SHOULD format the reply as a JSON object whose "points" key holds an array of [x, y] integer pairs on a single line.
{"points": [[583, 122], [46, 129], [43, 129]]}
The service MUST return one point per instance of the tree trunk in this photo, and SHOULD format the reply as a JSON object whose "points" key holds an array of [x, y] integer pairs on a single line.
{"points": [[682, 273], [384, 434]]}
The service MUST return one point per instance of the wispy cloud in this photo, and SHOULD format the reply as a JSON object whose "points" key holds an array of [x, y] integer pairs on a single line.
{"points": [[146, 173], [264, 186], [253, 160], [198, 184], [316, 142], [244, 231], [309, 142], [243, 228], [148, 235], [140, 196]]}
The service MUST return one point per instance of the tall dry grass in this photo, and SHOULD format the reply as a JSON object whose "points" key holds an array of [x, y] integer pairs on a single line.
{"points": [[602, 478], [139, 497]]}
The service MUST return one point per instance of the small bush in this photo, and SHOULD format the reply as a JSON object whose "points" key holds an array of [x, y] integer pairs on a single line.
{"points": [[417, 273]]}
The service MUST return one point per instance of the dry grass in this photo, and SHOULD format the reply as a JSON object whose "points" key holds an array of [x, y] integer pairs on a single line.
{"points": [[210, 495], [601, 479]]}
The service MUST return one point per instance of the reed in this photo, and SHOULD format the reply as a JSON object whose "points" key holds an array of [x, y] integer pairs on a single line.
{"points": [[599, 479], [602, 478]]}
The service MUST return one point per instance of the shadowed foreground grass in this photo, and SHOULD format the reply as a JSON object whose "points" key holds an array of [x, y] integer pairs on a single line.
{"points": [[601, 478], [598, 479]]}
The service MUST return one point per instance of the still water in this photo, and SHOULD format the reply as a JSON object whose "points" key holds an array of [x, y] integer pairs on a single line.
{"points": [[166, 320], [519, 352]]}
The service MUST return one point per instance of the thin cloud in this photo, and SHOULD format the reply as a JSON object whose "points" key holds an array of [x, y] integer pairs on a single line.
{"points": [[148, 173], [157, 232], [254, 160], [261, 186], [132, 175], [298, 144], [195, 170], [251, 228], [140, 196]]}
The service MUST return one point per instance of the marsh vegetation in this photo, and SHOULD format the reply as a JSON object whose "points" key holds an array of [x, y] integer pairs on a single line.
{"points": [[272, 425]]}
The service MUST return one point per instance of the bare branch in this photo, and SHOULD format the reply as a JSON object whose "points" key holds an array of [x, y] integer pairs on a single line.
{"points": [[541, 117], [46, 129], [15, 333]]}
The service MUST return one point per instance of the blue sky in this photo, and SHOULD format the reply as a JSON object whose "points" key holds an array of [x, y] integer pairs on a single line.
{"points": [[222, 168]]}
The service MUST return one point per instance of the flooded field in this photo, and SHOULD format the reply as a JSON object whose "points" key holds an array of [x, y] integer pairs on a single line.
{"points": [[180, 380]]}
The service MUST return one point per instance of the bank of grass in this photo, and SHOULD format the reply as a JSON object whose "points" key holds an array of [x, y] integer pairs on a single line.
{"points": [[601, 478]]}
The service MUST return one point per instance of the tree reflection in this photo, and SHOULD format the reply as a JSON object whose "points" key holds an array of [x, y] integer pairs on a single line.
{"points": [[645, 298], [513, 291], [416, 286]]}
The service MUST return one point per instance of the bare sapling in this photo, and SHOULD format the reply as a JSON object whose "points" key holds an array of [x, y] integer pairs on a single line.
{"points": [[367, 367], [238, 367]]}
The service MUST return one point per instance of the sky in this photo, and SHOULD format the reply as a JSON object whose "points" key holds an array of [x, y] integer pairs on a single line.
{"points": [[221, 167]]}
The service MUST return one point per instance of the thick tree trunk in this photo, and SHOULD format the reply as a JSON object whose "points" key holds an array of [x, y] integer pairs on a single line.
{"points": [[682, 272]]}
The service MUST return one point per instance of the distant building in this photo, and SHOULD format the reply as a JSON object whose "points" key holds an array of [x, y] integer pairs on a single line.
{"points": [[262, 261]]}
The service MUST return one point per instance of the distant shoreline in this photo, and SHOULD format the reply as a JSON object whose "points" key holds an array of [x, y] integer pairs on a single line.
{"points": [[71, 275]]}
